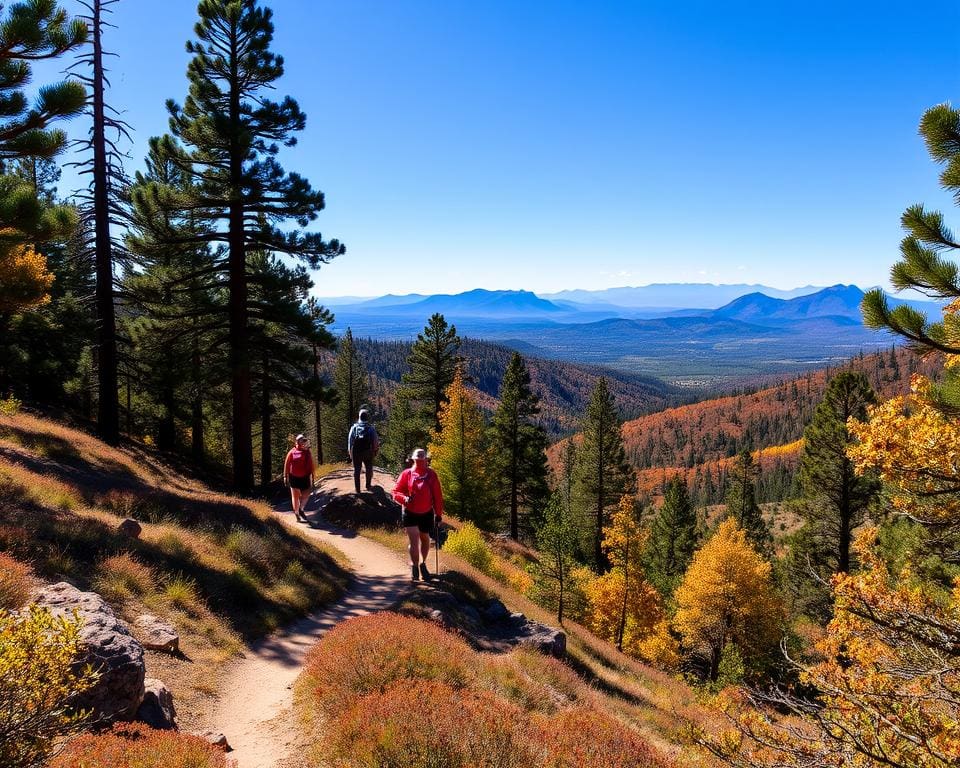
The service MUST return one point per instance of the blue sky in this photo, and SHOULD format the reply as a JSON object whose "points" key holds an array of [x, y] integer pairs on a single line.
{"points": [[552, 145]]}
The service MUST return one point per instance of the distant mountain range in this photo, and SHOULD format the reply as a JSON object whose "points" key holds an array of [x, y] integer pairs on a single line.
{"points": [[679, 342]]}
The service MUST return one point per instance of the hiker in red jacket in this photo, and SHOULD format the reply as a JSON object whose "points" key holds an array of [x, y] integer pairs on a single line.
{"points": [[298, 474], [418, 490]]}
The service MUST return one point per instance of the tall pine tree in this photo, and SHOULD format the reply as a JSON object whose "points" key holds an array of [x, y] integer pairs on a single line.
{"points": [[232, 133], [835, 498], [519, 447], [350, 384], [673, 539], [742, 506], [432, 362], [601, 474]]}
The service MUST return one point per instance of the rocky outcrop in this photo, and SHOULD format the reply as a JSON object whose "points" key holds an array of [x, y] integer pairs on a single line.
{"points": [[156, 634], [491, 625], [109, 648], [216, 738], [156, 709]]}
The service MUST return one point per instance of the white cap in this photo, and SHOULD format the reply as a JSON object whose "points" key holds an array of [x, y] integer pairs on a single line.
{"points": [[301, 437], [418, 453]]}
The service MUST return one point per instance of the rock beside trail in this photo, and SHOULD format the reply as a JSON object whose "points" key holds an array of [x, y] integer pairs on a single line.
{"points": [[548, 640], [130, 528], [492, 626], [156, 709], [109, 648], [216, 738], [156, 634]]}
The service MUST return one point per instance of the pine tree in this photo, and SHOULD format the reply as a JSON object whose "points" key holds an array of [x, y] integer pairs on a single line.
{"points": [[673, 539], [350, 384], [432, 362], [741, 501], [102, 206], [519, 447], [565, 478], [601, 474], [315, 389], [838, 497], [404, 431], [462, 457], [556, 544], [925, 264], [174, 310], [232, 133]]}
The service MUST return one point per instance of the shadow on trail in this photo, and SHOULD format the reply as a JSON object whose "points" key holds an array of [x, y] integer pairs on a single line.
{"points": [[367, 594]]}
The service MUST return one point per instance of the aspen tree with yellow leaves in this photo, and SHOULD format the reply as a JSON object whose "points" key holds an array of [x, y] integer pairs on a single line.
{"points": [[461, 456], [727, 598], [624, 608]]}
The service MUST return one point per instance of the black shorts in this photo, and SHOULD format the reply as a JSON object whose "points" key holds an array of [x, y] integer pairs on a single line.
{"points": [[423, 521], [300, 483]]}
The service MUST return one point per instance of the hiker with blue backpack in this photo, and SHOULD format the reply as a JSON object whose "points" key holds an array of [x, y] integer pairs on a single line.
{"points": [[363, 443]]}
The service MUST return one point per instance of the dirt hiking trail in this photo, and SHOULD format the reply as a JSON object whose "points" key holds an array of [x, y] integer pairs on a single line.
{"points": [[254, 710]]}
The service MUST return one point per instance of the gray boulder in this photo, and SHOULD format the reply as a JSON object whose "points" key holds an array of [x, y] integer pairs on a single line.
{"points": [[156, 709], [156, 634], [544, 639], [495, 611], [109, 648]]}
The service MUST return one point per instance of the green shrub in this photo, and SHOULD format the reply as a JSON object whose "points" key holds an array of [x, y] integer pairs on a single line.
{"points": [[181, 592], [15, 580], [10, 406], [469, 544], [137, 746], [38, 681]]}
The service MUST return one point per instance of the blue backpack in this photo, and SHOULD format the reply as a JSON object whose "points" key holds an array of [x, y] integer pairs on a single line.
{"points": [[362, 437]]}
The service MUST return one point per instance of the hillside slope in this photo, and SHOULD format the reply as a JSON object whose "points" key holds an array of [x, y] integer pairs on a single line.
{"points": [[563, 388], [697, 440], [223, 570]]}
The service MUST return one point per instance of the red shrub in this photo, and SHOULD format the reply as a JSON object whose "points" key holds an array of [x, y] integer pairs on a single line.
{"points": [[586, 738], [367, 654], [428, 724], [137, 746]]}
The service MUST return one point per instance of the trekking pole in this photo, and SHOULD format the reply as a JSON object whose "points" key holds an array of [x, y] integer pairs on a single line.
{"points": [[436, 546]]}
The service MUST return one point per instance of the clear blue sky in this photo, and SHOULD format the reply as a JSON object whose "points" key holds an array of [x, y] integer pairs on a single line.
{"points": [[552, 145]]}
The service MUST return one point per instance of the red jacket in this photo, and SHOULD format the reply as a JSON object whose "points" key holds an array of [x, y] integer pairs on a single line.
{"points": [[423, 491], [299, 463]]}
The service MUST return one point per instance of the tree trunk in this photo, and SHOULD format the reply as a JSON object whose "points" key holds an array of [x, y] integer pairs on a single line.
{"points": [[266, 434], [197, 447], [108, 411], [316, 403], [237, 309]]}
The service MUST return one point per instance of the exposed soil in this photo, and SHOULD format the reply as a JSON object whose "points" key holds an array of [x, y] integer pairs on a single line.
{"points": [[254, 709]]}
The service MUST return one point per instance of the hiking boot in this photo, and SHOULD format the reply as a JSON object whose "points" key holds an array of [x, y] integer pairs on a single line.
{"points": [[424, 572], [414, 573]]}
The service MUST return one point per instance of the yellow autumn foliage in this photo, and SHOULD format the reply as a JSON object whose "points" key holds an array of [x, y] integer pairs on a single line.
{"points": [[25, 280], [38, 682], [915, 449], [727, 596]]}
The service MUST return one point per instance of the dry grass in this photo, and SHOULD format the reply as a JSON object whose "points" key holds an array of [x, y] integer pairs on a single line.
{"points": [[137, 746], [222, 569], [517, 710], [661, 706], [16, 579]]}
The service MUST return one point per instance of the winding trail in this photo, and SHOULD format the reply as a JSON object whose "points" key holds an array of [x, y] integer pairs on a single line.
{"points": [[254, 710]]}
